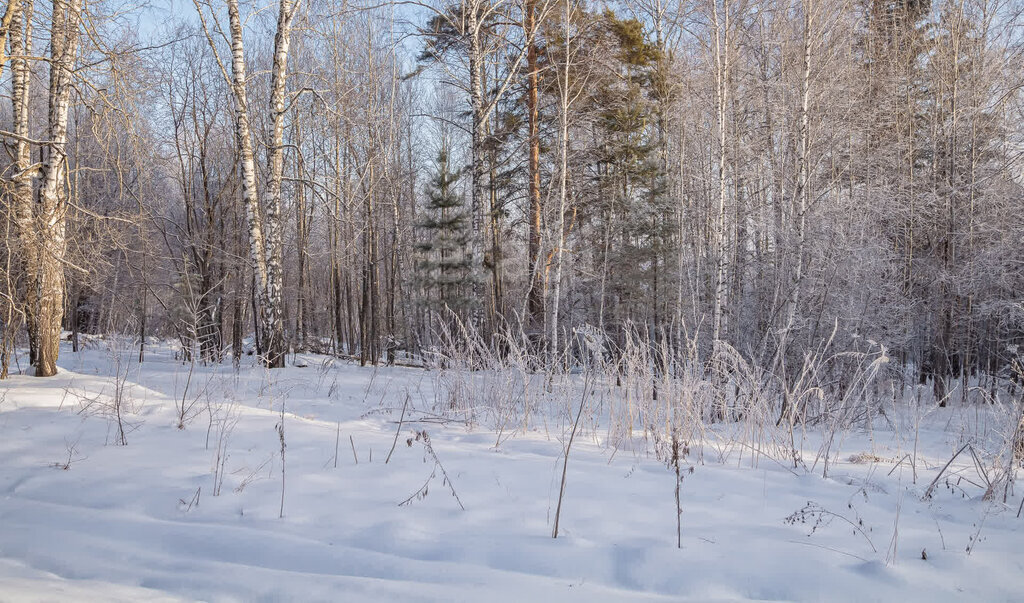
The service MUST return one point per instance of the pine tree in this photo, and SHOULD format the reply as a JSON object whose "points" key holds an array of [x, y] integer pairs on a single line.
{"points": [[445, 267], [633, 201]]}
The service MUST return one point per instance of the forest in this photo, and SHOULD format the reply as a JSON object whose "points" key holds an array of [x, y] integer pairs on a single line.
{"points": [[718, 275], [376, 181]]}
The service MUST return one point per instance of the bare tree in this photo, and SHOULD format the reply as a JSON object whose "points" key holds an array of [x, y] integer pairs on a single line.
{"points": [[266, 245]]}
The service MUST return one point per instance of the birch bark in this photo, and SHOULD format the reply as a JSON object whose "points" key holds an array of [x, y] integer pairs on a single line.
{"points": [[274, 282], [51, 218], [721, 50], [20, 33], [266, 249]]}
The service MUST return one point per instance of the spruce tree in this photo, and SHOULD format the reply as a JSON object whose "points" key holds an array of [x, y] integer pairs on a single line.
{"points": [[445, 264]]}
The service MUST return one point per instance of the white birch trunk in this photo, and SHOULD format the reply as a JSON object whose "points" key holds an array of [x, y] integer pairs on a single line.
{"points": [[50, 221], [563, 193], [274, 283], [20, 33], [721, 57], [802, 192], [479, 124], [563, 168], [247, 161], [265, 248]]}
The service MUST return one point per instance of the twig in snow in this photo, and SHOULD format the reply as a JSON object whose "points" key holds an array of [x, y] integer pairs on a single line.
{"points": [[568, 447], [397, 431], [337, 437], [828, 548], [421, 493], [931, 487], [896, 466], [823, 516], [280, 435], [678, 450], [192, 503], [976, 537]]}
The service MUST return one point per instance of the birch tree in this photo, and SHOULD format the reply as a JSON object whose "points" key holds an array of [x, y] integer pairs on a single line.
{"points": [[571, 82], [266, 248], [721, 58], [50, 220], [22, 201]]}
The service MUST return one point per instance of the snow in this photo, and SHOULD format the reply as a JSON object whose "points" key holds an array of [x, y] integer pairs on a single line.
{"points": [[82, 518]]}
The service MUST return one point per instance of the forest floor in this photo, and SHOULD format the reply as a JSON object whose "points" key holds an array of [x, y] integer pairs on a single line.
{"points": [[195, 513]]}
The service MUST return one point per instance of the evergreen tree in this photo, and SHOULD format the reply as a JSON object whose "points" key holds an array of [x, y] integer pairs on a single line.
{"points": [[445, 266], [631, 203]]}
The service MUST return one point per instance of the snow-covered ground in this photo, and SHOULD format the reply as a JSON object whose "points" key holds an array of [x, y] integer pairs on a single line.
{"points": [[194, 513]]}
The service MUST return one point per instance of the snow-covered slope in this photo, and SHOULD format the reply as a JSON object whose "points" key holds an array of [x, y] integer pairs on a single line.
{"points": [[194, 513]]}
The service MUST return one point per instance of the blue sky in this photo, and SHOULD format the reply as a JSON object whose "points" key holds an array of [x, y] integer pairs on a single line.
{"points": [[158, 14]]}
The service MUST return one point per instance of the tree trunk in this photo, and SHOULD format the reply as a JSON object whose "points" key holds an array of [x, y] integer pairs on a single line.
{"points": [[477, 158], [247, 163], [535, 296], [22, 198], [265, 249], [565, 100], [721, 233], [51, 220], [276, 344], [301, 243]]}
